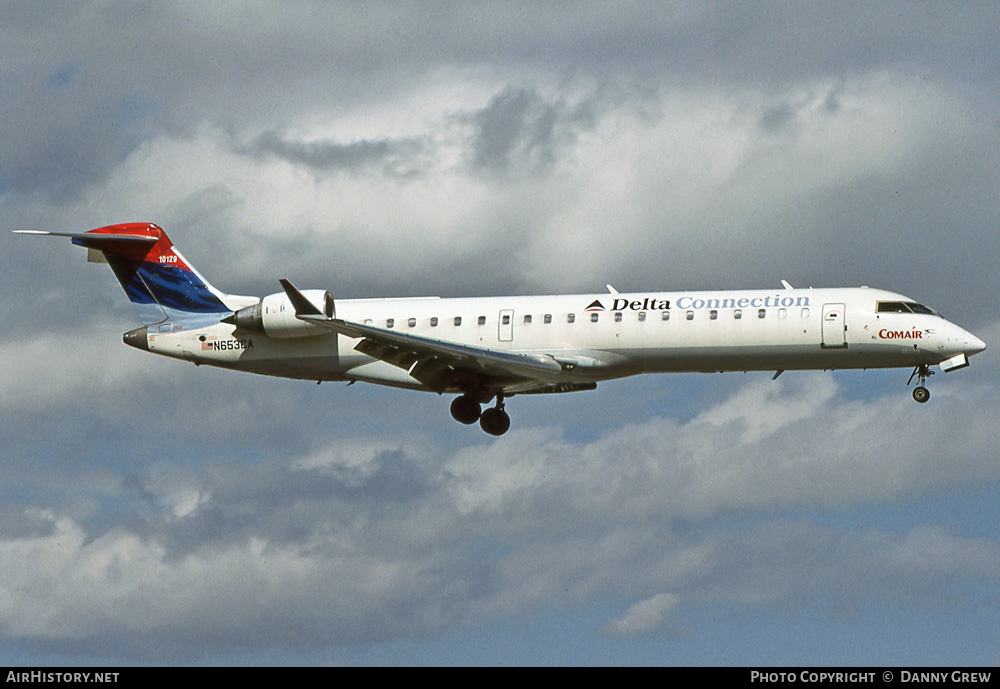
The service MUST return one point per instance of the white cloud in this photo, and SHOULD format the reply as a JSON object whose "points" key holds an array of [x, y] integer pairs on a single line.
{"points": [[350, 453], [377, 538], [790, 442], [938, 553], [88, 367], [685, 178], [645, 617], [67, 585], [782, 408]]}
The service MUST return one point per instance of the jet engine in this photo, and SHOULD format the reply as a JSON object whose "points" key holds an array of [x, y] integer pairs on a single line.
{"points": [[274, 315]]}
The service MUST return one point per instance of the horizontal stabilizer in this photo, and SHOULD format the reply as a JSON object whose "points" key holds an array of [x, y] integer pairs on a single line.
{"points": [[99, 241]]}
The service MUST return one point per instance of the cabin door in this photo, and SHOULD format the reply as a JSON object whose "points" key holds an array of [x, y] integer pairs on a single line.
{"points": [[506, 325], [834, 326]]}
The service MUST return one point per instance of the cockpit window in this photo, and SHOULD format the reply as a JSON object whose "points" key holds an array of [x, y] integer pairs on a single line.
{"points": [[892, 307], [920, 308], [904, 307]]}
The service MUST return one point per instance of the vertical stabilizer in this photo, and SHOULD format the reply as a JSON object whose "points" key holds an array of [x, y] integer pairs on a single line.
{"points": [[158, 280]]}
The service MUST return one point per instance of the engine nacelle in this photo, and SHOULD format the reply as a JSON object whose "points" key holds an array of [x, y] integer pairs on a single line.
{"points": [[274, 315]]}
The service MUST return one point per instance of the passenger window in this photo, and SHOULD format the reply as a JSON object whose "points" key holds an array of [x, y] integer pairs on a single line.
{"points": [[412, 322], [548, 318], [434, 322], [506, 319], [593, 317], [458, 320], [618, 316], [642, 315], [761, 313], [368, 321], [689, 315], [390, 322], [527, 319], [782, 313], [482, 320], [713, 314], [738, 314], [571, 318], [666, 315], [805, 313]]}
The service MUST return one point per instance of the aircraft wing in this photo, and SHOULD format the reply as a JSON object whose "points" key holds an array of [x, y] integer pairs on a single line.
{"points": [[435, 363]]}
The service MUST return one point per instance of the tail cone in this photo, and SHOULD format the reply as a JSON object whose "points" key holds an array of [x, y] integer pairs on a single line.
{"points": [[137, 338]]}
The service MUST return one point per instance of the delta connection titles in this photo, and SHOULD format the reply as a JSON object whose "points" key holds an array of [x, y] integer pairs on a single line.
{"points": [[905, 676], [687, 302]]}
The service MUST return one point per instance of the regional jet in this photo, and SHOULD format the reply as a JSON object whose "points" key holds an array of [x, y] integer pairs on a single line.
{"points": [[487, 350]]}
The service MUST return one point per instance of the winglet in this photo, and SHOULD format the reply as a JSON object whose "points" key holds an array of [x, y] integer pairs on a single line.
{"points": [[303, 307], [785, 284]]}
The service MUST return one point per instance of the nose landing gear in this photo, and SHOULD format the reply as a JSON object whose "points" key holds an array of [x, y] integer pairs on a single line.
{"points": [[921, 393]]}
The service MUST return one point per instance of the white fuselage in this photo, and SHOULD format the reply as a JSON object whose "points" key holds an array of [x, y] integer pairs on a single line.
{"points": [[603, 336]]}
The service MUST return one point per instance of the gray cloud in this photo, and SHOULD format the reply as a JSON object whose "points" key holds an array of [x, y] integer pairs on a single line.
{"points": [[775, 118], [79, 110], [520, 131], [391, 157], [393, 538]]}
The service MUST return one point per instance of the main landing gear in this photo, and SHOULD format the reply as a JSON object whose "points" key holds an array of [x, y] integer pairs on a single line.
{"points": [[467, 410], [921, 393]]}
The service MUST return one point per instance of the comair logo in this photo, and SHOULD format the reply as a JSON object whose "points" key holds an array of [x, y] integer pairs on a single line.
{"points": [[885, 334]]}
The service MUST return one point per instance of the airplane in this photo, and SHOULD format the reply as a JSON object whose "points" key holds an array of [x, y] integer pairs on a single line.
{"points": [[492, 348]]}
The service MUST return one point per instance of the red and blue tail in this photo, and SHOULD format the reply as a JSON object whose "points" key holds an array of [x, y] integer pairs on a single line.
{"points": [[159, 282]]}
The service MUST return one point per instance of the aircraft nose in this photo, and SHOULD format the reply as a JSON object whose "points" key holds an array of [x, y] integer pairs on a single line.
{"points": [[973, 345]]}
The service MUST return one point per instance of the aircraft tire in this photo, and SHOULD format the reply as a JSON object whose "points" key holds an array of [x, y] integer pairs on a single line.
{"points": [[465, 410], [921, 394], [494, 421]]}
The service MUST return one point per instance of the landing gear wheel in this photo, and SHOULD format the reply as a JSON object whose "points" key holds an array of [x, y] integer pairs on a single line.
{"points": [[921, 373], [494, 421], [465, 410]]}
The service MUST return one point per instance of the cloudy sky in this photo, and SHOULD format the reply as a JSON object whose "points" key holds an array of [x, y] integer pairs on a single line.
{"points": [[152, 512]]}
